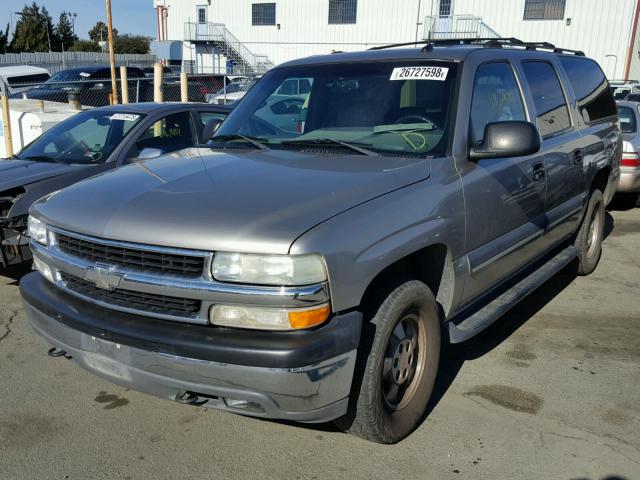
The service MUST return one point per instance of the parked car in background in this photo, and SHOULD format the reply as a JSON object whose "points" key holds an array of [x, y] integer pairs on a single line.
{"points": [[18, 77], [233, 91], [91, 84], [313, 275], [87, 144], [632, 97], [629, 186], [150, 71], [622, 88]]}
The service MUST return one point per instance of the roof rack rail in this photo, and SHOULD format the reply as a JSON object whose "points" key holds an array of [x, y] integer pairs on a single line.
{"points": [[485, 42]]}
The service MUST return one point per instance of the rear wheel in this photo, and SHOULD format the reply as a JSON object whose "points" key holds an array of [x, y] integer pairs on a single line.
{"points": [[589, 238], [398, 373]]}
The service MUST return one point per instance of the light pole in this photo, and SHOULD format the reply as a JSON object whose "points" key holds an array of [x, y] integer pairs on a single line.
{"points": [[72, 16], [615, 63]]}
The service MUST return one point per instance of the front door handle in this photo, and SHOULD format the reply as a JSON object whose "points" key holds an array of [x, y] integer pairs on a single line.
{"points": [[538, 172]]}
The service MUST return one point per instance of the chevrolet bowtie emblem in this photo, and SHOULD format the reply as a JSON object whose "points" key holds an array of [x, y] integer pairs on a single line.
{"points": [[103, 277]]}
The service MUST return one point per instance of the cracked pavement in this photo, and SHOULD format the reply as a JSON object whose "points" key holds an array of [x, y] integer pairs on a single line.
{"points": [[550, 391]]}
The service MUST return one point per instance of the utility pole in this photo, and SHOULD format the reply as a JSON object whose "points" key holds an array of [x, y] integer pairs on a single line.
{"points": [[112, 57]]}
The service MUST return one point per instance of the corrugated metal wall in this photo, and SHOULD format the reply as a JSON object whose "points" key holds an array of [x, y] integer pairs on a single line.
{"points": [[602, 28]]}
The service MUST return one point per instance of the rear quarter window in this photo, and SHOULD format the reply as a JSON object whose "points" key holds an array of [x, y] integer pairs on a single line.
{"points": [[627, 120], [591, 88]]}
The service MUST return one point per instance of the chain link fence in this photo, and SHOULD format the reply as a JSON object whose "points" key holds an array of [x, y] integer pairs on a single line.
{"points": [[90, 92]]}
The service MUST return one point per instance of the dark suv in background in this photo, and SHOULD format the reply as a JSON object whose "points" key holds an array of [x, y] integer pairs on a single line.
{"points": [[311, 274]]}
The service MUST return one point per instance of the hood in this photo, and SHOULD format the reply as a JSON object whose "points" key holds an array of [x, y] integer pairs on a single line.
{"points": [[16, 173], [251, 201]]}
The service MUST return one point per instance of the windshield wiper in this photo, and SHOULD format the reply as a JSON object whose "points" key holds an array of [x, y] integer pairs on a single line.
{"points": [[255, 141], [43, 158], [330, 141]]}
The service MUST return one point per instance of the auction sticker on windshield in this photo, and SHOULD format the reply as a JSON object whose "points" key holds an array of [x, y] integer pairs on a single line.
{"points": [[127, 117], [419, 73]]}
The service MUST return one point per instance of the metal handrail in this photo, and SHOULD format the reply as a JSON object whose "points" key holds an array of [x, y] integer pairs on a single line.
{"points": [[233, 47]]}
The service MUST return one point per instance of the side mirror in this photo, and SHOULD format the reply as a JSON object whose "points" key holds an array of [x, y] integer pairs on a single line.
{"points": [[147, 153], [507, 139], [210, 129]]}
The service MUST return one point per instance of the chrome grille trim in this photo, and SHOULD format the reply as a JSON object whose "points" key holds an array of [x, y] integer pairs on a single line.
{"points": [[203, 288]]}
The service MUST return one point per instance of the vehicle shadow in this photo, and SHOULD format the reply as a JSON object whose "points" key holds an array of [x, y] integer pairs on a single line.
{"points": [[609, 223], [453, 356], [12, 275]]}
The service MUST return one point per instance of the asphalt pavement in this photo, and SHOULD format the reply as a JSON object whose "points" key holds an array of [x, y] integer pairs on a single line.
{"points": [[551, 391]]}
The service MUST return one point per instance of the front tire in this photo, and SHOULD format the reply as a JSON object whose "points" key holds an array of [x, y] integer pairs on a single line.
{"points": [[589, 238], [398, 374]]}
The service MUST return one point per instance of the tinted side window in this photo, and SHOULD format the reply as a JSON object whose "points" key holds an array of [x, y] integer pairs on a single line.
{"points": [[551, 106], [627, 119], [171, 133], [496, 98], [595, 100]]}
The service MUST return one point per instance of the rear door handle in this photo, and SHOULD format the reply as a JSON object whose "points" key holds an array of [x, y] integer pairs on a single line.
{"points": [[577, 157], [538, 172]]}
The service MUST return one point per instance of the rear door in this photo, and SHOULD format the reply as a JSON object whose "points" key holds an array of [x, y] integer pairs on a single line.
{"points": [[562, 146]]}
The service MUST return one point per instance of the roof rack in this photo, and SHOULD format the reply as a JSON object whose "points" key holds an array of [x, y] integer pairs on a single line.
{"points": [[486, 43]]}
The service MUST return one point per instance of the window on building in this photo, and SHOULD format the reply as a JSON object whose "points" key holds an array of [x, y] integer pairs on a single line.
{"points": [[496, 98], [263, 14], [342, 11], [595, 100], [202, 15], [552, 114], [444, 9], [543, 9]]}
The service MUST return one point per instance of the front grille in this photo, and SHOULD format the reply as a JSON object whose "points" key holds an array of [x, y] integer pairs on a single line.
{"points": [[145, 302], [133, 258]]}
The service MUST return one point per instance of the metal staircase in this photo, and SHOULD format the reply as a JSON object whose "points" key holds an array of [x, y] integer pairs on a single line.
{"points": [[225, 43], [457, 26]]}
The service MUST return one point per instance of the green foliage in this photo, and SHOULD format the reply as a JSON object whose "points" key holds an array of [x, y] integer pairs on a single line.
{"points": [[65, 33], [34, 31], [4, 40], [131, 44], [101, 32], [84, 46]]}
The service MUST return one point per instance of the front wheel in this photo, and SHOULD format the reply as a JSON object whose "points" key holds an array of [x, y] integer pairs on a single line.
{"points": [[399, 371], [589, 238]]}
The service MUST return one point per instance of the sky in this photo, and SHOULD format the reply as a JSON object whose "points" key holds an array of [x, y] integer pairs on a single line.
{"points": [[129, 16]]}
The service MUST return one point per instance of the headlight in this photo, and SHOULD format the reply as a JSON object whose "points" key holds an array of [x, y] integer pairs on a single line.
{"points": [[268, 269], [37, 230]]}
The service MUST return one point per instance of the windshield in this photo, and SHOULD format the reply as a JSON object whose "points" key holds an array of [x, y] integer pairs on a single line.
{"points": [[87, 138], [390, 108]]}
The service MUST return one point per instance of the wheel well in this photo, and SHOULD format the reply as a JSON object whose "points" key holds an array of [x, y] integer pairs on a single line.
{"points": [[431, 265], [601, 179]]}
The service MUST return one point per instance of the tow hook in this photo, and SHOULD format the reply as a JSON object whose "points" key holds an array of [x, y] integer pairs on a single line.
{"points": [[190, 398], [56, 352]]}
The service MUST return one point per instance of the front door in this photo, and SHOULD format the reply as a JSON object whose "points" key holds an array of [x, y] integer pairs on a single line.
{"points": [[201, 20], [443, 23], [504, 197]]}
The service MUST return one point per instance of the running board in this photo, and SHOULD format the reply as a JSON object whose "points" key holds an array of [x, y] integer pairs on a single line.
{"points": [[488, 314]]}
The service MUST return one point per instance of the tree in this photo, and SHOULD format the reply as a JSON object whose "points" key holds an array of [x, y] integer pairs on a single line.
{"points": [[65, 33], [4, 40], [101, 32], [34, 30], [131, 44], [84, 46]]}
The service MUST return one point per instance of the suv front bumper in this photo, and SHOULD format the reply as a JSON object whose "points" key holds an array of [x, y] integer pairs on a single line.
{"points": [[302, 376]]}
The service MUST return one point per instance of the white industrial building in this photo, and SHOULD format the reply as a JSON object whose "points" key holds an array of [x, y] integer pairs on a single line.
{"points": [[253, 35]]}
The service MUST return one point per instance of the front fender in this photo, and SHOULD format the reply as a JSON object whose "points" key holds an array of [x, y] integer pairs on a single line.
{"points": [[360, 243]]}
